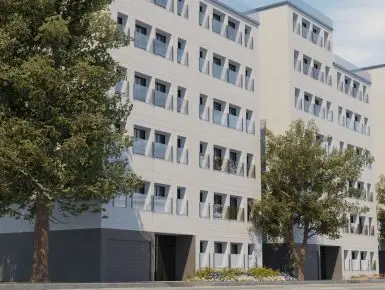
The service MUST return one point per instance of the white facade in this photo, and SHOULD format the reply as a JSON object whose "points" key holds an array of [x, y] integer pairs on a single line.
{"points": [[302, 78], [192, 77]]}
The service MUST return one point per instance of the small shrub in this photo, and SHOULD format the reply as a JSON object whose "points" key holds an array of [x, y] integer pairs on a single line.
{"points": [[204, 273], [231, 273], [262, 272]]}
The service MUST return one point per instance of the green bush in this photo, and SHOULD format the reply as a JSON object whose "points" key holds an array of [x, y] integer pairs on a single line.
{"points": [[262, 272], [231, 273], [204, 273]]}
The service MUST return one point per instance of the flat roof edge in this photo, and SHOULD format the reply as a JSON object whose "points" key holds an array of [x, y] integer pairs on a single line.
{"points": [[300, 6], [374, 66], [232, 10]]}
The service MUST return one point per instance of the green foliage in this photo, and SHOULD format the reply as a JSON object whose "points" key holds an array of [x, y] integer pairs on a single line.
{"points": [[232, 273], [306, 188], [380, 198], [262, 272], [204, 273], [58, 145]]}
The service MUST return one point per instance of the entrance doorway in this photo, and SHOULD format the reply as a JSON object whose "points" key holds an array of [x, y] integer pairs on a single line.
{"points": [[331, 263]]}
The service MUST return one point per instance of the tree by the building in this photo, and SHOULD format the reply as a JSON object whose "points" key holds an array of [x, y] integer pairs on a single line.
{"points": [[306, 189], [380, 198], [60, 148]]}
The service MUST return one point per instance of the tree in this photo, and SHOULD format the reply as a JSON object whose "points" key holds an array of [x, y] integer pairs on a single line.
{"points": [[380, 198], [305, 189], [60, 145]]}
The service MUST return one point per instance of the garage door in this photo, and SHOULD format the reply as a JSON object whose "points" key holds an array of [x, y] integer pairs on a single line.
{"points": [[128, 261]]}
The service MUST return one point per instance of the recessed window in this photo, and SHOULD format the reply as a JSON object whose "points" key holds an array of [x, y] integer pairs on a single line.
{"points": [[160, 191], [217, 61], [217, 17], [233, 156], [161, 37], [232, 111], [140, 81], [160, 87], [217, 106], [232, 24], [120, 20], [217, 152], [140, 134], [141, 29], [160, 138], [232, 67]]}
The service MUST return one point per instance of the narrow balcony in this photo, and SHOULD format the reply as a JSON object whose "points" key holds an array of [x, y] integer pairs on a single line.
{"points": [[217, 26], [221, 260], [251, 171], [235, 122], [139, 146], [140, 93], [204, 260], [138, 201], [217, 117], [231, 33], [162, 99], [204, 113], [182, 156], [204, 161], [182, 207], [219, 164], [250, 127], [249, 41], [161, 3], [236, 214], [237, 261], [235, 167], [204, 210], [160, 48], [141, 40], [217, 71], [161, 204], [219, 211], [232, 78], [204, 66], [249, 84], [182, 106], [161, 151]]}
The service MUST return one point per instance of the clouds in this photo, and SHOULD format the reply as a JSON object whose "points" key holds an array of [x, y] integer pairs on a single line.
{"points": [[359, 26]]}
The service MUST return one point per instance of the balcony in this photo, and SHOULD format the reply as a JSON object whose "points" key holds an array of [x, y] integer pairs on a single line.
{"points": [[182, 106], [237, 261], [139, 146], [235, 168], [358, 127], [365, 230], [204, 210], [203, 20], [364, 265], [218, 164], [305, 32], [160, 48], [249, 83], [315, 73], [232, 77], [182, 8], [231, 33], [217, 71], [203, 67], [138, 201], [141, 40], [308, 107], [182, 207], [251, 171], [306, 68], [161, 204], [236, 214], [218, 211], [217, 26], [161, 3], [140, 93], [122, 88], [204, 161], [182, 156], [182, 58], [371, 230], [250, 127], [204, 113], [217, 117], [249, 41], [221, 260], [235, 122], [161, 151], [370, 196], [162, 99]]}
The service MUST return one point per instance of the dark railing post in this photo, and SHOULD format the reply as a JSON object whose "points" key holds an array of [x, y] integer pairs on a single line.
{"points": [[152, 203]]}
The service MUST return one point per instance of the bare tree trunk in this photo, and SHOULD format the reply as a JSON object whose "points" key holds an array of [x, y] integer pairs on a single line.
{"points": [[40, 255], [299, 255], [301, 270]]}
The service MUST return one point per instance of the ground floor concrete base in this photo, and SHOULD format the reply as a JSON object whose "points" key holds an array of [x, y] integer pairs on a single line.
{"points": [[100, 255]]}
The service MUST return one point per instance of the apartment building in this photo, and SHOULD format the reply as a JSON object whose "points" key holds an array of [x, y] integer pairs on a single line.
{"points": [[301, 77], [192, 77], [377, 73]]}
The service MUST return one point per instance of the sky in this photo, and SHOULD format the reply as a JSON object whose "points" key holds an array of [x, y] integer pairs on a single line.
{"points": [[359, 26]]}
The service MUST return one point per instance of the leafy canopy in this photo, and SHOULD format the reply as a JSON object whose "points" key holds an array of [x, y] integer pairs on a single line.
{"points": [[380, 198], [58, 144], [306, 188]]}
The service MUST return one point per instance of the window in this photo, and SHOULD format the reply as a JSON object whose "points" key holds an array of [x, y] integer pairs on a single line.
{"points": [[217, 152], [201, 148], [306, 98], [248, 115], [179, 45], [202, 196], [140, 134], [200, 101], [352, 219], [160, 191], [217, 106], [120, 20], [363, 255], [218, 248], [179, 193], [354, 255], [233, 156], [304, 24], [140, 81], [217, 61], [179, 143], [317, 102], [179, 93], [159, 138], [234, 249], [315, 30], [201, 54], [161, 37], [160, 87], [217, 17], [202, 247], [232, 24], [217, 199], [141, 29], [232, 67], [305, 60], [201, 9], [316, 66], [232, 111]]}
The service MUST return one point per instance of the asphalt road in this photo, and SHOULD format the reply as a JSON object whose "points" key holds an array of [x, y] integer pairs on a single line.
{"points": [[358, 286]]}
